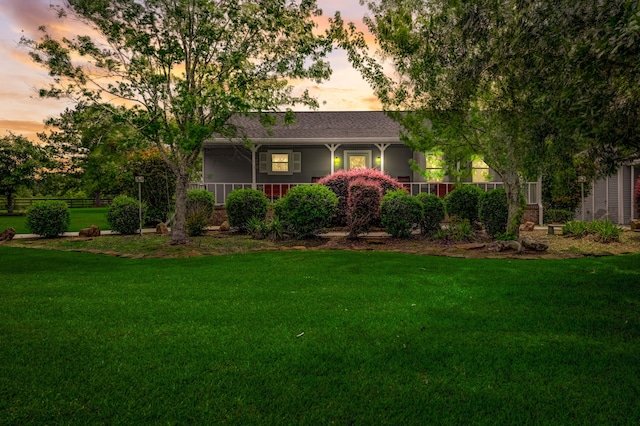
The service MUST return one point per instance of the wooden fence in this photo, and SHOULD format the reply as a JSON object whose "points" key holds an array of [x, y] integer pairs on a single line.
{"points": [[73, 203]]}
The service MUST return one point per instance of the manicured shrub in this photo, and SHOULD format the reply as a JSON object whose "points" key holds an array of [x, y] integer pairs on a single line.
{"points": [[123, 215], [558, 216], [48, 218], [306, 210], [400, 213], [363, 206], [339, 184], [433, 208], [493, 212], [463, 202], [243, 204], [200, 205]]}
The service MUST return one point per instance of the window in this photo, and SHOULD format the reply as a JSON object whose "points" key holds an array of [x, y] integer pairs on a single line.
{"points": [[479, 170], [280, 162], [434, 167]]}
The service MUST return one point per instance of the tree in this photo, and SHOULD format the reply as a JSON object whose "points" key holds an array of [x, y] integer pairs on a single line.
{"points": [[176, 71], [91, 148], [519, 83], [21, 164]]}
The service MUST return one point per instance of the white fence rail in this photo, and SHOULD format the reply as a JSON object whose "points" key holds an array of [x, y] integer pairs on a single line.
{"points": [[273, 191]]}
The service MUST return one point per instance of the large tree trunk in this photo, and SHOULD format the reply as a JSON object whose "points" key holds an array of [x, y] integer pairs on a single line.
{"points": [[513, 188], [10, 202], [179, 229]]}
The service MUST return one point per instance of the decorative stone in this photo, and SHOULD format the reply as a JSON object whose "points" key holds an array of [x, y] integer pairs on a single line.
{"points": [[527, 226], [635, 225], [530, 244], [90, 232], [161, 229], [509, 245], [7, 234], [470, 246], [225, 226]]}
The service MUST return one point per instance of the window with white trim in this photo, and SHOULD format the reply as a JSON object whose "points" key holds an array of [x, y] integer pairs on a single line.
{"points": [[280, 162]]}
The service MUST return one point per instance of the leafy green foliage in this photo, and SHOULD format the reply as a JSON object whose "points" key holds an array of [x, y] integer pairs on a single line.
{"points": [[306, 210], [400, 213], [200, 205], [123, 215], [558, 216], [177, 72], [363, 206], [158, 187], [433, 208], [604, 231], [244, 204], [21, 164], [458, 230], [48, 218], [463, 202], [493, 212], [272, 229]]}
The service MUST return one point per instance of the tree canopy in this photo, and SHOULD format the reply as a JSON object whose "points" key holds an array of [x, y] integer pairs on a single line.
{"points": [[177, 70], [523, 84], [21, 163]]}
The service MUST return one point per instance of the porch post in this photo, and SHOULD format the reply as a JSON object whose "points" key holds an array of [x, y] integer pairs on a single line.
{"points": [[382, 147], [254, 180], [620, 195], [332, 149], [539, 199]]}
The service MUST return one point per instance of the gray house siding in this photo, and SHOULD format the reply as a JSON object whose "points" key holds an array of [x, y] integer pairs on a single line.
{"points": [[612, 197]]}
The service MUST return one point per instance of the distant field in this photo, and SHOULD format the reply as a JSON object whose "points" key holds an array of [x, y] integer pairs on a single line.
{"points": [[318, 338], [80, 218]]}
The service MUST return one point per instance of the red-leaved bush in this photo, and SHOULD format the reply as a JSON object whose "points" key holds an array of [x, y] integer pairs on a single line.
{"points": [[363, 205], [339, 184], [636, 196]]}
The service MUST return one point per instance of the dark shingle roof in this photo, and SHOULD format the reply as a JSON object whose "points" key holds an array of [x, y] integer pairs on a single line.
{"points": [[357, 125]]}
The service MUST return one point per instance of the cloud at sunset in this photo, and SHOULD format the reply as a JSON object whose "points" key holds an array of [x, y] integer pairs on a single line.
{"points": [[21, 111]]}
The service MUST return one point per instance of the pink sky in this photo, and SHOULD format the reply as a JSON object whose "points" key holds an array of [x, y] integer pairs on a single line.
{"points": [[22, 112]]}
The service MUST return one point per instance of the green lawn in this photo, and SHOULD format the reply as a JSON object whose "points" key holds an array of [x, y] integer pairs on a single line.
{"points": [[309, 337], [80, 218]]}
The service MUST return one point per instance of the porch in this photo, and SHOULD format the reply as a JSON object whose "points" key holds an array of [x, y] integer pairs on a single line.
{"points": [[273, 191]]}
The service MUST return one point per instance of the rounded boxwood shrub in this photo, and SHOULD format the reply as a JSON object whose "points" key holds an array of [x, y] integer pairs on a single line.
{"points": [[123, 215], [200, 205], [433, 208], [306, 209], [244, 204], [463, 202], [400, 213], [493, 211], [48, 218]]}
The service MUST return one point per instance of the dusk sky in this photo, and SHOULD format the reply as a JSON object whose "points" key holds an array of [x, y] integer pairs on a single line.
{"points": [[22, 112]]}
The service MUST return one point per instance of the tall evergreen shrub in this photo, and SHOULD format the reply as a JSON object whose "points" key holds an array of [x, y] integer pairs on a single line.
{"points": [[433, 208], [123, 215], [494, 212]]}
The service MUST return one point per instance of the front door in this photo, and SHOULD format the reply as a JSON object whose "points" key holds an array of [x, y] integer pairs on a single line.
{"points": [[358, 159]]}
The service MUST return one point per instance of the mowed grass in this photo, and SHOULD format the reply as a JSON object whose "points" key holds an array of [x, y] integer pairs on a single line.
{"points": [[80, 218], [315, 337]]}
